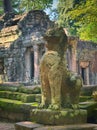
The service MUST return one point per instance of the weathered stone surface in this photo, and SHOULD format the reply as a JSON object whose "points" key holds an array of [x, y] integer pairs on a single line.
{"points": [[61, 117], [9, 126], [70, 127], [60, 87], [18, 36], [26, 125], [87, 52], [18, 116]]}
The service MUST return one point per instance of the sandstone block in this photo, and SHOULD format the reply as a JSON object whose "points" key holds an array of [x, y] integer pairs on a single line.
{"points": [[55, 117], [26, 125]]}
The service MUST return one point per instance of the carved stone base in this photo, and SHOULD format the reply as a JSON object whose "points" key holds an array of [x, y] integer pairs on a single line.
{"points": [[55, 117]]}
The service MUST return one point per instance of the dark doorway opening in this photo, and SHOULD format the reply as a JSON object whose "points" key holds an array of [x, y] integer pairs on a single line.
{"points": [[83, 74], [32, 65], [29, 64], [1, 66]]}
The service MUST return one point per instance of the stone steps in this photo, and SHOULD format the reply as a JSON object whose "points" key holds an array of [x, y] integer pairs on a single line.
{"points": [[15, 110], [24, 97], [26, 125], [17, 101]]}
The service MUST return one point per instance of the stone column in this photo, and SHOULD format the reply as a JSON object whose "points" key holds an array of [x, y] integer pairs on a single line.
{"points": [[36, 63], [27, 66], [73, 42], [74, 60], [87, 76]]}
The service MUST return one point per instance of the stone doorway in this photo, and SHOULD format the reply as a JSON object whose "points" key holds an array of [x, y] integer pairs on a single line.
{"points": [[1, 69], [32, 65], [1, 66], [29, 65], [84, 65], [85, 75]]}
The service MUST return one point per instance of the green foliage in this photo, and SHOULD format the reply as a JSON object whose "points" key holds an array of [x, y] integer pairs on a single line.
{"points": [[64, 19], [33, 4], [16, 6], [86, 12], [88, 32], [20, 6], [80, 16], [1, 6]]}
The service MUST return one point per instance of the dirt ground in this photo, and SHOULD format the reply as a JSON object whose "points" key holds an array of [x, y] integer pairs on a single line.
{"points": [[6, 125]]}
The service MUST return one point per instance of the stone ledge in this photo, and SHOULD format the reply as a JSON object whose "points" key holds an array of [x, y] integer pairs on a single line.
{"points": [[63, 117], [26, 125], [70, 127]]}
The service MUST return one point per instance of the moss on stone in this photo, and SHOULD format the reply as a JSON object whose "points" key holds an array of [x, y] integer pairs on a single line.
{"points": [[21, 88], [20, 96], [54, 73], [10, 95], [16, 106], [10, 105], [9, 88], [85, 98], [90, 106], [34, 90], [28, 98], [34, 104], [47, 117]]}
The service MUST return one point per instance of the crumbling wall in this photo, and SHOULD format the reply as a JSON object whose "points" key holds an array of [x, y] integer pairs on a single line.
{"points": [[17, 34]]}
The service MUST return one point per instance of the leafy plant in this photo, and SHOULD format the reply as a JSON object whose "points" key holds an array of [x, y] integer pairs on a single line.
{"points": [[80, 17]]}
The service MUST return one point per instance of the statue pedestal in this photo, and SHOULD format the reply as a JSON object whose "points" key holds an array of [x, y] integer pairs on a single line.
{"points": [[61, 117]]}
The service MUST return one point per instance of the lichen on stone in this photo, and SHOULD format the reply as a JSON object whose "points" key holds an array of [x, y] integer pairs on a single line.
{"points": [[60, 87]]}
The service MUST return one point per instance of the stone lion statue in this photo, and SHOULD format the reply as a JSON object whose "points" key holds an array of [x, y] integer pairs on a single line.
{"points": [[60, 87]]}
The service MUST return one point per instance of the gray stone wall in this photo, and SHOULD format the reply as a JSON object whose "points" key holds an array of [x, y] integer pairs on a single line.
{"points": [[16, 36], [87, 61], [82, 59]]}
